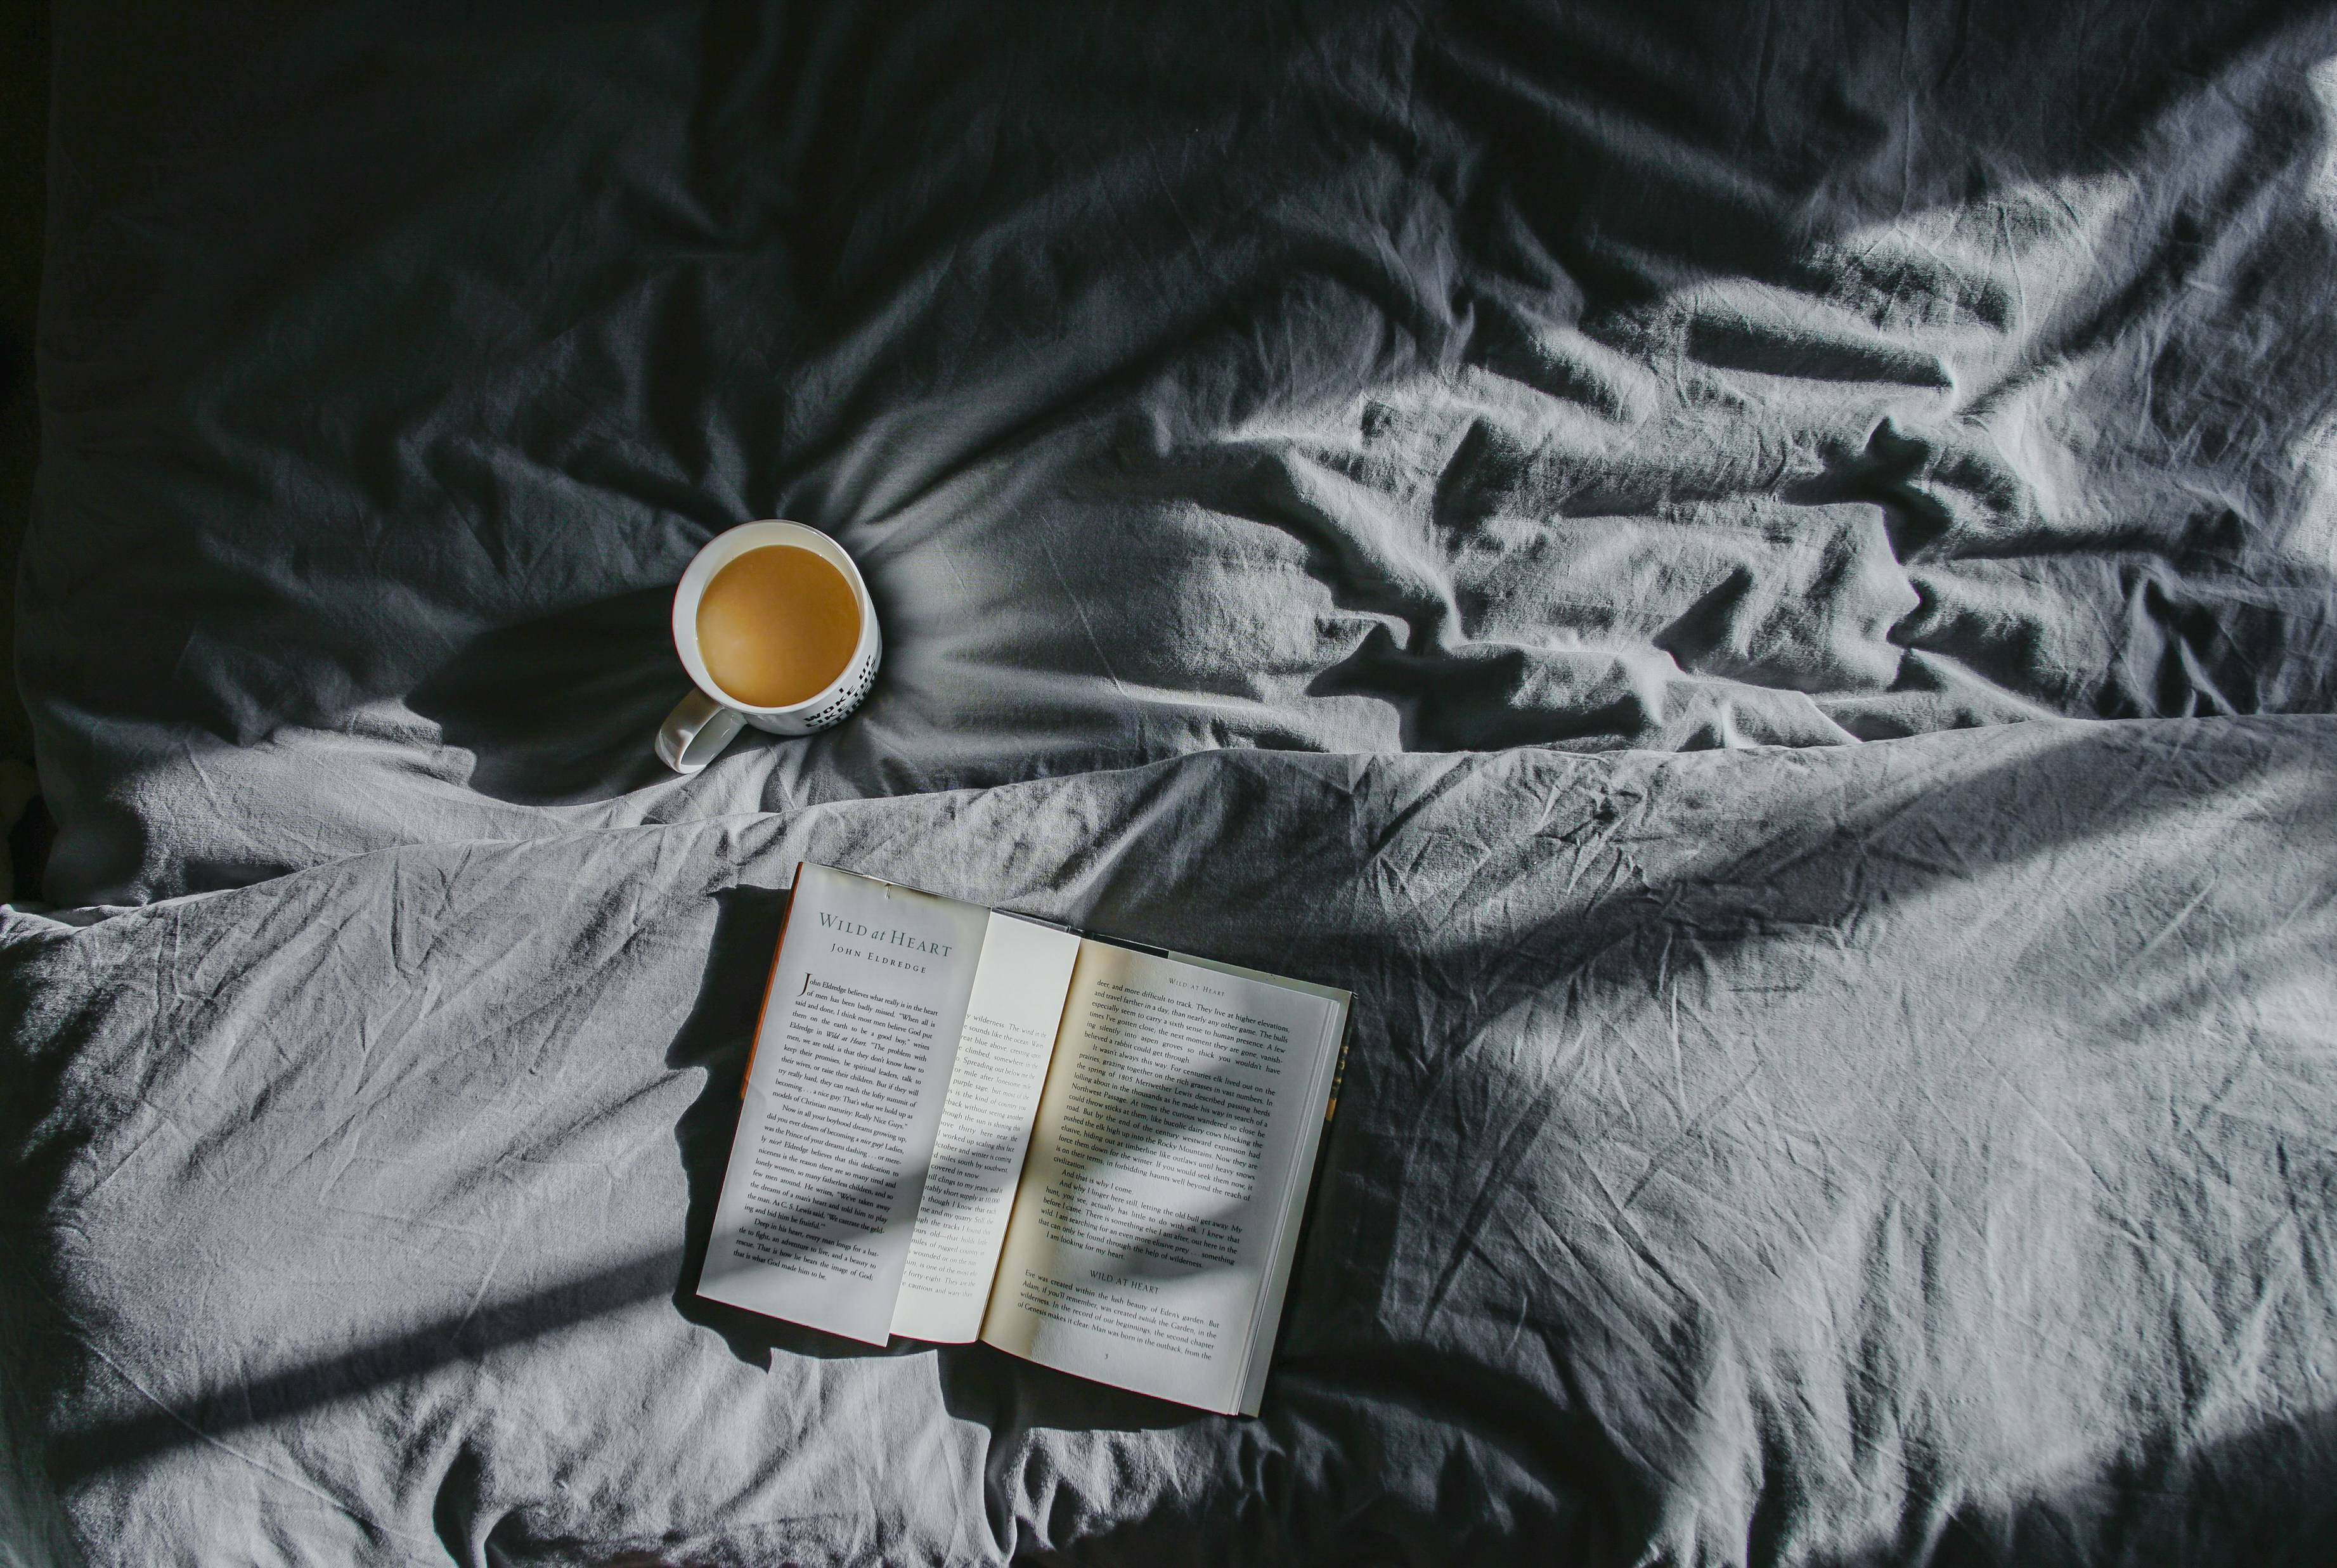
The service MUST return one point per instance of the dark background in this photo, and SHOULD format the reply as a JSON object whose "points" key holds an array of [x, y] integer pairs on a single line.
{"points": [[23, 124]]}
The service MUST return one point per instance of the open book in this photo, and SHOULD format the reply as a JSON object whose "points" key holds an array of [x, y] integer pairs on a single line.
{"points": [[962, 1124]]}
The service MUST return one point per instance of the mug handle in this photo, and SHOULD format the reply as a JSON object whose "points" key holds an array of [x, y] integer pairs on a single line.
{"points": [[695, 731]]}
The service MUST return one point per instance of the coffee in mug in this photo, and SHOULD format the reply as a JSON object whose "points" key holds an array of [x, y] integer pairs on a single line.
{"points": [[777, 631], [776, 626]]}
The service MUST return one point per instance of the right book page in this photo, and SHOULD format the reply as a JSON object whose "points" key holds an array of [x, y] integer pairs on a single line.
{"points": [[1152, 1231]]}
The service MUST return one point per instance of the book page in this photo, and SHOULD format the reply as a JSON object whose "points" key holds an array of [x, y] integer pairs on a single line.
{"points": [[851, 1066], [1011, 1019], [1167, 1171]]}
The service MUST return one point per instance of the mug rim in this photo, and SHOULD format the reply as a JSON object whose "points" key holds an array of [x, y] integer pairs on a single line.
{"points": [[727, 546]]}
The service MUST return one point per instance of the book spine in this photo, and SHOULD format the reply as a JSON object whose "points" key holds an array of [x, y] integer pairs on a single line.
{"points": [[1339, 1072]]}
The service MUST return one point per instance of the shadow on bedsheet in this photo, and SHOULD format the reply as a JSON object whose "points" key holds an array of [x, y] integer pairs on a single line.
{"points": [[2272, 1508], [562, 708], [2120, 1513]]}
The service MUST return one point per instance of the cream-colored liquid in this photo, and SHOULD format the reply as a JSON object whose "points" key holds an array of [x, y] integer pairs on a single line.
{"points": [[777, 625]]}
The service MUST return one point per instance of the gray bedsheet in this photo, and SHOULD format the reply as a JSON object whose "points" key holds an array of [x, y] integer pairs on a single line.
{"points": [[1345, 378], [1913, 1152]]}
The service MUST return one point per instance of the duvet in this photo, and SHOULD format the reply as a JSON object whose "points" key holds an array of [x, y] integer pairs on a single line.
{"points": [[1908, 1152]]}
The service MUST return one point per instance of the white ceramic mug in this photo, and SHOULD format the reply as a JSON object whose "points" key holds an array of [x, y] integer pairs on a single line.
{"points": [[703, 722]]}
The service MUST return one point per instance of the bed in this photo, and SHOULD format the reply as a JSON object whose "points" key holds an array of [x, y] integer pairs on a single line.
{"points": [[1757, 582]]}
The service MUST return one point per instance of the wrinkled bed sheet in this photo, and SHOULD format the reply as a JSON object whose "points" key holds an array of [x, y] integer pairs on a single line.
{"points": [[1364, 378], [1916, 1152]]}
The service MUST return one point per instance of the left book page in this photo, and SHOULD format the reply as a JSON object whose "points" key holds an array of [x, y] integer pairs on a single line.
{"points": [[851, 1065]]}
